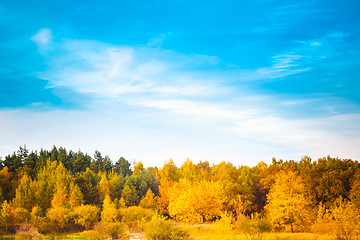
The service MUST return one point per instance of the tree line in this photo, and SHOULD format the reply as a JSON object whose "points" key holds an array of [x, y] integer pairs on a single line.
{"points": [[60, 190]]}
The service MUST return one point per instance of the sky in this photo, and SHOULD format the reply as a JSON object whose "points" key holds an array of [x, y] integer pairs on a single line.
{"points": [[236, 81]]}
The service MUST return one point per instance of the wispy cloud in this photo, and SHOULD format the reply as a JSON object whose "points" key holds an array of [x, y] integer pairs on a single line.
{"points": [[107, 70], [163, 80], [284, 65], [43, 37]]}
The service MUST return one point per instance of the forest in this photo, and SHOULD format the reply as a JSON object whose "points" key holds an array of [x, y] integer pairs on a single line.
{"points": [[59, 191]]}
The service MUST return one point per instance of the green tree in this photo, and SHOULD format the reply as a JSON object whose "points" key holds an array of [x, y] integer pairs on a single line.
{"points": [[122, 166], [116, 184], [87, 182], [130, 196]]}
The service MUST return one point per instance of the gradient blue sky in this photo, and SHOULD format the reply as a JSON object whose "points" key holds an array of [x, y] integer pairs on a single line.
{"points": [[240, 81]]}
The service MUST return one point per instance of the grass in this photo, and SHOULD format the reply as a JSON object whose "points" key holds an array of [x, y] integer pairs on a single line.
{"points": [[206, 232]]}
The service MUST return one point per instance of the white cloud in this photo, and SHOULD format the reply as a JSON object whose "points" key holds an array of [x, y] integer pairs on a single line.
{"points": [[167, 91], [284, 65], [43, 37]]}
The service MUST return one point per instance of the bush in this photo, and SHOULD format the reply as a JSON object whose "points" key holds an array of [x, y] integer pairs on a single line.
{"points": [[28, 232], [86, 215], [224, 224], [135, 216], [324, 223], [255, 227], [107, 230], [346, 220], [160, 229], [37, 220]]}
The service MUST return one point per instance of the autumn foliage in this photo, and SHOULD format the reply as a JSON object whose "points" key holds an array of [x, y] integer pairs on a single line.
{"points": [[59, 191]]}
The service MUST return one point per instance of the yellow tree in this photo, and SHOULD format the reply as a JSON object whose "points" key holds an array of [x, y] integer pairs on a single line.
{"points": [[196, 202], [189, 171], [149, 200], [346, 219], [75, 196], [288, 202], [59, 214], [5, 215], [109, 212], [104, 186], [25, 194], [168, 175]]}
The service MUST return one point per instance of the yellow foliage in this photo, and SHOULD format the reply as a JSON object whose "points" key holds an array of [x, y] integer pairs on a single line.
{"points": [[288, 204], [11, 217], [163, 199], [75, 196], [138, 169], [135, 216], [59, 216], [60, 196], [36, 219], [196, 202], [189, 171], [104, 186], [24, 196], [346, 218], [324, 223], [86, 215], [109, 212], [224, 224], [149, 200]]}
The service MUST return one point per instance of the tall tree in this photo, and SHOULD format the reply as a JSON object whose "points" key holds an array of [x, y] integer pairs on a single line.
{"points": [[122, 166], [288, 202]]}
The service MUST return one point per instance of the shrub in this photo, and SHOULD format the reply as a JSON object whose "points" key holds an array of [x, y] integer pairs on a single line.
{"points": [[37, 220], [224, 224], [28, 232], [160, 229], [86, 215], [59, 217], [107, 230], [255, 227], [324, 223], [11, 217], [135, 216], [346, 220]]}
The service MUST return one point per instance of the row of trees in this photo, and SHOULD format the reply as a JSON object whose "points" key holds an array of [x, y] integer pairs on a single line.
{"points": [[60, 188]]}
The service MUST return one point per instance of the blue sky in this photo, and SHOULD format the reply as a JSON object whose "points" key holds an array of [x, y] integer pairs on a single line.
{"points": [[240, 81]]}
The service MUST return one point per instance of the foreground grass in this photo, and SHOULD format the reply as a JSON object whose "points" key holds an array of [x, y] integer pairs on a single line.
{"points": [[207, 232]]}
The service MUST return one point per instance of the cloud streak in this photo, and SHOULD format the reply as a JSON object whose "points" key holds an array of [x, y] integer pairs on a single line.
{"points": [[166, 88], [160, 79]]}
